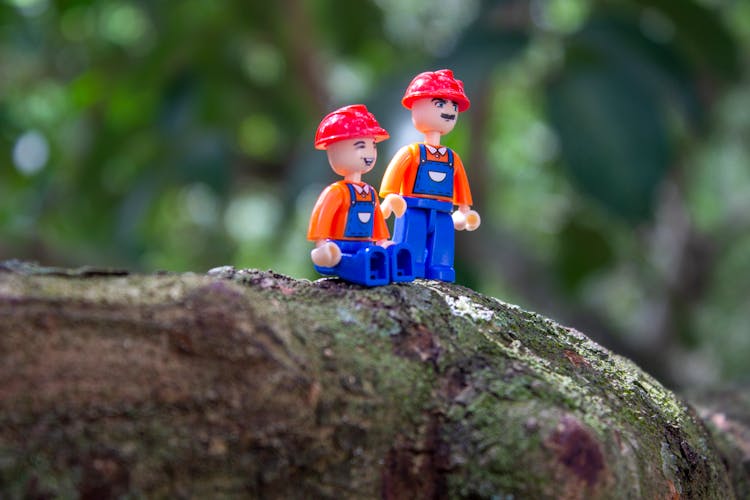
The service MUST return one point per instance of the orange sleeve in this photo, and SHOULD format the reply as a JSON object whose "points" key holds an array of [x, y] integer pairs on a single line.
{"points": [[379, 228], [393, 179], [324, 214], [461, 191]]}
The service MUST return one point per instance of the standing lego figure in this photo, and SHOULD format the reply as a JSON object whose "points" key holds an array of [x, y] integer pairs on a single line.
{"points": [[347, 226], [430, 177]]}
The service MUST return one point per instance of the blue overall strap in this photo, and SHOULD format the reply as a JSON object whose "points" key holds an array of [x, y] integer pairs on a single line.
{"points": [[355, 228], [433, 177], [423, 154]]}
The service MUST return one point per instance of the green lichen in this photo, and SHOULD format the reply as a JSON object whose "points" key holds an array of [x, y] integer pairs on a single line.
{"points": [[563, 373]]}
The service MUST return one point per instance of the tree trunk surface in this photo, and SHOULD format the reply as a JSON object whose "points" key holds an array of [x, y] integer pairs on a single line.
{"points": [[244, 383]]}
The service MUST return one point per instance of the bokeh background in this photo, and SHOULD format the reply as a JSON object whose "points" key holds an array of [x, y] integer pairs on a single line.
{"points": [[608, 147]]}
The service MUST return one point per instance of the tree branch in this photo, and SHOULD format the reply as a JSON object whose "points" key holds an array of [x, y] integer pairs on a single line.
{"points": [[249, 383]]}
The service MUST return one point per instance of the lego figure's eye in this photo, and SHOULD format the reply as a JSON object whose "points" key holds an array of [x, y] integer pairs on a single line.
{"points": [[455, 106], [439, 103], [359, 145]]}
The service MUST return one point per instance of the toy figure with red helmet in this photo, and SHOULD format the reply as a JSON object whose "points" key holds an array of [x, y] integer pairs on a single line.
{"points": [[430, 178], [347, 225]]}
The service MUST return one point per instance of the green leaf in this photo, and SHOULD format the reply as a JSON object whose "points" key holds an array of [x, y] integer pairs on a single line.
{"points": [[610, 105]]}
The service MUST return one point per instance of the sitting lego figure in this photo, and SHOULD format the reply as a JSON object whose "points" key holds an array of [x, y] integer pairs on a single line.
{"points": [[347, 226], [430, 178]]}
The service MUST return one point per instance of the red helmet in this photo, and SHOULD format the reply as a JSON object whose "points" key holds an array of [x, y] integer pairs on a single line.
{"points": [[348, 122], [436, 84]]}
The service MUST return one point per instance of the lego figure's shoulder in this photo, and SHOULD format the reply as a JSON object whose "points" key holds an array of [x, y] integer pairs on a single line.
{"points": [[414, 150], [356, 191], [406, 157], [331, 193], [407, 152], [338, 194], [339, 187]]}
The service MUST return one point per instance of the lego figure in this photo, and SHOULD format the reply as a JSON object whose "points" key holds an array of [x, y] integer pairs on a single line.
{"points": [[430, 178], [347, 225]]}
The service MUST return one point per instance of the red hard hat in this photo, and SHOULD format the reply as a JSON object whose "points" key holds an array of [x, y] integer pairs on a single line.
{"points": [[348, 122], [436, 84]]}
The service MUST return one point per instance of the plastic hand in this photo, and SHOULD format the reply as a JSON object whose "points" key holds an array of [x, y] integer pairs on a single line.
{"points": [[385, 243], [326, 254], [393, 203], [466, 219]]}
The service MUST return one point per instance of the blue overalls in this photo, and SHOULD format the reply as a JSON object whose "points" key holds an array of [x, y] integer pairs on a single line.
{"points": [[362, 261], [427, 225]]}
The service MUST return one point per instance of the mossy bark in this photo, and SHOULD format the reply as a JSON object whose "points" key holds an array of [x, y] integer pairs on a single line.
{"points": [[248, 383]]}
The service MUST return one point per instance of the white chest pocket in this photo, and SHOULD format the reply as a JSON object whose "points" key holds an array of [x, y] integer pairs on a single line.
{"points": [[437, 176], [364, 217]]}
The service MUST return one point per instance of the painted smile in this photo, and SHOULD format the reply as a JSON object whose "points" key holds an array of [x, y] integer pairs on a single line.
{"points": [[447, 116], [368, 161]]}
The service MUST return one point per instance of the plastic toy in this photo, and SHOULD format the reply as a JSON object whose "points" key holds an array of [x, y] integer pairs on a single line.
{"points": [[347, 224], [430, 178]]}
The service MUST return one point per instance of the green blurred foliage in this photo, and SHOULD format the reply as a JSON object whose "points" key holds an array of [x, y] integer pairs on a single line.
{"points": [[606, 145]]}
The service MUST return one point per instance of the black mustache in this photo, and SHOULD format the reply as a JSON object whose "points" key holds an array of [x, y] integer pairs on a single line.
{"points": [[447, 116]]}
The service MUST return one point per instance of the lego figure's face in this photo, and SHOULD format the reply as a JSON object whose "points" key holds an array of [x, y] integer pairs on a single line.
{"points": [[352, 156], [434, 114]]}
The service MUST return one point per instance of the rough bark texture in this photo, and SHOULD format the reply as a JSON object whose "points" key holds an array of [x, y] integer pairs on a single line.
{"points": [[248, 383], [727, 413]]}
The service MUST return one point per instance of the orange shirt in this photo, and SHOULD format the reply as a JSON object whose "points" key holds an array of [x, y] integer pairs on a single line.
{"points": [[328, 219], [402, 172]]}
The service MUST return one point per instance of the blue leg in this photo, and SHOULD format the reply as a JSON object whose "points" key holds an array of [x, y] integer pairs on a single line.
{"points": [[412, 230], [401, 262], [363, 263], [440, 249]]}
